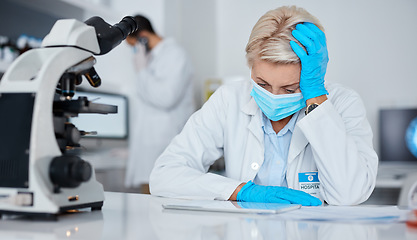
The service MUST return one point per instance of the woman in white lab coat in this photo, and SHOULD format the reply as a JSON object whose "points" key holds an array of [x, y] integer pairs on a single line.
{"points": [[165, 99], [321, 141]]}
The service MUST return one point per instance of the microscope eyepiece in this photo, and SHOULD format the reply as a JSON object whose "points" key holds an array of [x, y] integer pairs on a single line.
{"points": [[110, 36], [127, 26]]}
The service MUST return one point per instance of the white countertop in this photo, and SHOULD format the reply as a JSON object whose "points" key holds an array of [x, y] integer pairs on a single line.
{"points": [[138, 216]]}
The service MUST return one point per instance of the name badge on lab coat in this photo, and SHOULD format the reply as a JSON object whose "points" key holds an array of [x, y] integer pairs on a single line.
{"points": [[309, 183]]}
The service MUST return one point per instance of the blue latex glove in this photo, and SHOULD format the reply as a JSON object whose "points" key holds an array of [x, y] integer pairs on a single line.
{"points": [[251, 192], [314, 61], [258, 205]]}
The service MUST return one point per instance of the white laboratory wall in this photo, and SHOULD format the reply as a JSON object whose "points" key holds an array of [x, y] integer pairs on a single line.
{"points": [[193, 24], [372, 45], [154, 10]]}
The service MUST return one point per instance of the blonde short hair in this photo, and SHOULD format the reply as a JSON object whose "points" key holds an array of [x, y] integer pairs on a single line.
{"points": [[270, 37]]}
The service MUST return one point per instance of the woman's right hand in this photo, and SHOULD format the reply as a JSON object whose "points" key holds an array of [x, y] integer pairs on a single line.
{"points": [[251, 192]]}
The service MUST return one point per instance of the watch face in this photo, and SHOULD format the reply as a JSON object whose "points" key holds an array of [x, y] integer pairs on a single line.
{"points": [[311, 107]]}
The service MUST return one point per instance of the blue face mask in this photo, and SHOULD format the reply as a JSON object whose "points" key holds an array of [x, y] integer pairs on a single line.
{"points": [[277, 107], [142, 41]]}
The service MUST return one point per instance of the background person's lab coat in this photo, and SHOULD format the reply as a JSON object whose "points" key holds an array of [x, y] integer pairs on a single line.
{"points": [[335, 139], [165, 102]]}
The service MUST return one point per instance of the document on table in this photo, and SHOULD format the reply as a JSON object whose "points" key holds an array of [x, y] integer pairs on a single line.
{"points": [[349, 213], [361, 213], [232, 207]]}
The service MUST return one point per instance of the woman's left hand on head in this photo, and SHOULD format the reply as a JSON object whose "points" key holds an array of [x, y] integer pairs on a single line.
{"points": [[314, 61]]}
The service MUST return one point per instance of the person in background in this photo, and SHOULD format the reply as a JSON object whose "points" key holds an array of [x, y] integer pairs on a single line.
{"points": [[286, 136], [165, 99]]}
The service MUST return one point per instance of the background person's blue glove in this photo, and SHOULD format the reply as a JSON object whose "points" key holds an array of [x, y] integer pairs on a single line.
{"points": [[314, 61], [251, 192]]}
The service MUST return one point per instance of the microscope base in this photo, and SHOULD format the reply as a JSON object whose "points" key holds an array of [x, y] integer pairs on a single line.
{"points": [[95, 206]]}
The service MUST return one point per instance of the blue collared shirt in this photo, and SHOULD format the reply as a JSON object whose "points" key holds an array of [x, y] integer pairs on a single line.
{"points": [[277, 145]]}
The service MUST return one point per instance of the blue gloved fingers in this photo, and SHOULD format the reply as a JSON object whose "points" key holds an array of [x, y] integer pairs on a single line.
{"points": [[317, 202], [314, 33], [307, 42], [310, 32], [300, 197], [306, 31], [288, 195], [260, 205], [251, 192], [274, 199], [312, 201], [308, 197], [318, 31], [301, 53], [295, 198]]}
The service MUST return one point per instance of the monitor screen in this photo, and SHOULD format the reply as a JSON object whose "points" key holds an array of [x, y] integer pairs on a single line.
{"points": [[393, 124], [113, 125]]}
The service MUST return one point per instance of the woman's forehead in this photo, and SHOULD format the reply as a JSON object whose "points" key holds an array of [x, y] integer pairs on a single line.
{"points": [[272, 73]]}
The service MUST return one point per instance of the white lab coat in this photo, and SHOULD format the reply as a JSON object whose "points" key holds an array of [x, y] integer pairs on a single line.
{"points": [[165, 101], [335, 139]]}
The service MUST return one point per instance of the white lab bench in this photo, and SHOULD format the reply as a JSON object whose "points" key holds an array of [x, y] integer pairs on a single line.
{"points": [[139, 216], [390, 181]]}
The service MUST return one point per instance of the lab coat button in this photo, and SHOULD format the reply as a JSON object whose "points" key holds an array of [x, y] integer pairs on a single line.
{"points": [[255, 166]]}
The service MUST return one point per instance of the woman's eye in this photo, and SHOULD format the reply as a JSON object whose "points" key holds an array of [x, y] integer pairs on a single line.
{"points": [[290, 91], [262, 85]]}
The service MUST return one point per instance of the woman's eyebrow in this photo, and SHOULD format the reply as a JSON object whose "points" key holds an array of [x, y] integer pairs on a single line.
{"points": [[292, 85], [259, 78]]}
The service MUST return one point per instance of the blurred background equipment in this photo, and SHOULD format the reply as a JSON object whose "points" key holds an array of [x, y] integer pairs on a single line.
{"points": [[114, 126], [210, 86], [396, 142], [411, 137], [10, 50], [397, 164]]}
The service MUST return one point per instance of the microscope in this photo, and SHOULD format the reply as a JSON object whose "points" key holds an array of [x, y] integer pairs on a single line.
{"points": [[40, 172]]}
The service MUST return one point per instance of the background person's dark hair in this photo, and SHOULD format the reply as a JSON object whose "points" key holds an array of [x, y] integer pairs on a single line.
{"points": [[143, 24]]}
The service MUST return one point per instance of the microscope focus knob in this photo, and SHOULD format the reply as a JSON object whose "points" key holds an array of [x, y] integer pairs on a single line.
{"points": [[69, 171], [72, 134]]}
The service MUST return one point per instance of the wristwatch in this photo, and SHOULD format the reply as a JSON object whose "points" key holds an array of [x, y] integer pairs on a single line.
{"points": [[311, 107]]}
